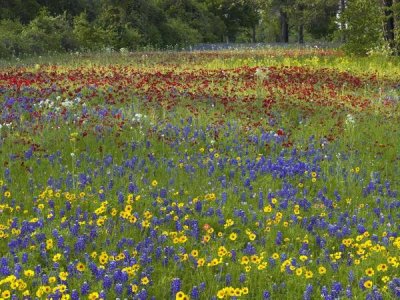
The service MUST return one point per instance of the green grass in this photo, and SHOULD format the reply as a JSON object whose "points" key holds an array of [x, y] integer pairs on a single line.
{"points": [[318, 165]]}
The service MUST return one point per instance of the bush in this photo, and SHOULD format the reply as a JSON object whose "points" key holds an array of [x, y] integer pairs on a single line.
{"points": [[108, 31], [130, 38], [363, 35], [11, 43], [88, 36], [46, 33], [181, 33]]}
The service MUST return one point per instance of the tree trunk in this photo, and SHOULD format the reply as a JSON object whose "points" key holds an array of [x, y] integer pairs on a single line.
{"points": [[253, 34], [342, 22], [284, 27], [397, 25], [301, 34], [389, 22]]}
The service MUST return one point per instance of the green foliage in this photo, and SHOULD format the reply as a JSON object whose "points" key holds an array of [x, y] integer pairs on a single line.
{"points": [[91, 25], [317, 17], [195, 15], [130, 38], [180, 33], [235, 14], [149, 19], [46, 33], [321, 23], [11, 43], [117, 32], [110, 22], [268, 30], [87, 35], [364, 26], [19, 10], [396, 11], [218, 168]]}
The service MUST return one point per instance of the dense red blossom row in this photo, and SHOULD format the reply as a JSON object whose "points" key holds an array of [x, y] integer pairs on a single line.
{"points": [[257, 89]]}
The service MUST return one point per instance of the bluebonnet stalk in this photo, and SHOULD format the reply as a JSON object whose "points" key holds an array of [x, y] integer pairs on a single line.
{"points": [[308, 292], [85, 288], [176, 285], [195, 293]]}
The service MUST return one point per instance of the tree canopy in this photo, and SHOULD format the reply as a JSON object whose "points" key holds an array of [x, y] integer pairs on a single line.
{"points": [[98, 24]]}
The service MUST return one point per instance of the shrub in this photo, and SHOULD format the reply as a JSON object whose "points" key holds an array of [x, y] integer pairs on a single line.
{"points": [[130, 38], [11, 43], [363, 35], [46, 33], [87, 35], [181, 33]]}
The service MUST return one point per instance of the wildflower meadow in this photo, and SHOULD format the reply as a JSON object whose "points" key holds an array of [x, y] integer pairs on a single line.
{"points": [[248, 174]]}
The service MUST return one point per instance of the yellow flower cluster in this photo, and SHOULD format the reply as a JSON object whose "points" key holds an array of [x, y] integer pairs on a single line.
{"points": [[232, 292], [257, 260], [13, 284], [181, 296], [210, 197]]}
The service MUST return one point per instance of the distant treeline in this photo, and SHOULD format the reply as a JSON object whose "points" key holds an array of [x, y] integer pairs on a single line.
{"points": [[41, 26]]}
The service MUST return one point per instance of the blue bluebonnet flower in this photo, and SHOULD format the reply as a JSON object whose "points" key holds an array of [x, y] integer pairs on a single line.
{"points": [[308, 292], [349, 293], [176, 285], [142, 295], [336, 289], [107, 282], [74, 295], [102, 295], [195, 293], [228, 279], [119, 288], [85, 288], [325, 293], [279, 238], [394, 287], [24, 257]]}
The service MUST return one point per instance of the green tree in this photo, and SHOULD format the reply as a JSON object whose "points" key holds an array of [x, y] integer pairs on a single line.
{"points": [[236, 15], [70, 7], [196, 16], [147, 18], [321, 18], [363, 26], [316, 17], [87, 35], [389, 23], [21, 10], [47, 33], [11, 43]]}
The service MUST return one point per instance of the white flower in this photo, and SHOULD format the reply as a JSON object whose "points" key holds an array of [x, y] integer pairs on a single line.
{"points": [[67, 103], [350, 119], [261, 73], [258, 72]]}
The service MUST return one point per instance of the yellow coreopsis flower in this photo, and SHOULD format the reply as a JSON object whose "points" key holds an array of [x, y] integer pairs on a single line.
{"points": [[63, 275]]}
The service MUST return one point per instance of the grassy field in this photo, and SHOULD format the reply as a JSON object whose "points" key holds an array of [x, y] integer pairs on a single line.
{"points": [[262, 174]]}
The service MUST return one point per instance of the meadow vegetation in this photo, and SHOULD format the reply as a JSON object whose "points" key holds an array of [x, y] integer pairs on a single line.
{"points": [[258, 174]]}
